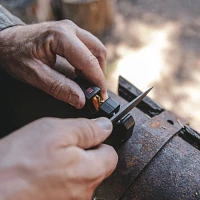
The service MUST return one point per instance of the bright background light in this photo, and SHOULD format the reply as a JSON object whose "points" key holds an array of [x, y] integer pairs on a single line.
{"points": [[154, 44]]}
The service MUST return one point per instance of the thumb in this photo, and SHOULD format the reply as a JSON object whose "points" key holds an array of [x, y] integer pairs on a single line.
{"points": [[59, 86], [86, 133]]}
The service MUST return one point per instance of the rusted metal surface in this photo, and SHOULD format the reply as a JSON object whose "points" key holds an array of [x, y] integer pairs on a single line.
{"points": [[149, 137], [172, 175]]}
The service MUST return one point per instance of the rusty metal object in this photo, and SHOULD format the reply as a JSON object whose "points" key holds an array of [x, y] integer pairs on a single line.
{"points": [[172, 175], [147, 140]]}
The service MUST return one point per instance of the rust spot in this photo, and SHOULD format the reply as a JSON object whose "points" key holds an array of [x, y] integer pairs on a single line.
{"points": [[154, 124], [131, 161]]}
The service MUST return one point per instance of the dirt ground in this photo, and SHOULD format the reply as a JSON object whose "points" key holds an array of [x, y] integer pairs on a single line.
{"points": [[155, 42]]}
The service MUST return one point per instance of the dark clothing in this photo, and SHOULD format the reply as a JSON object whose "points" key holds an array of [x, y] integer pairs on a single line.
{"points": [[7, 19], [7, 125]]}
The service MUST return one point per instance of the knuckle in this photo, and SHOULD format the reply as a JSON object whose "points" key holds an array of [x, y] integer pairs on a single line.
{"points": [[76, 154], [103, 52], [56, 88], [106, 166], [50, 29], [76, 158], [55, 29], [70, 24]]}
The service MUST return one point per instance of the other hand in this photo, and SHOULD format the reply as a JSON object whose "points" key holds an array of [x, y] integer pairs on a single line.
{"points": [[60, 159]]}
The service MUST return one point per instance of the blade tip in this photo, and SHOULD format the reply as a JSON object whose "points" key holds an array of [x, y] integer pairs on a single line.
{"points": [[150, 89]]}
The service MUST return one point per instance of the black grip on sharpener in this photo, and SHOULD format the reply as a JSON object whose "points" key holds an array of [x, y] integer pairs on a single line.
{"points": [[122, 131], [89, 90], [108, 108]]}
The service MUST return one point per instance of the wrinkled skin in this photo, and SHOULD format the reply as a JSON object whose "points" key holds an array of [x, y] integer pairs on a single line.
{"points": [[56, 159], [29, 54]]}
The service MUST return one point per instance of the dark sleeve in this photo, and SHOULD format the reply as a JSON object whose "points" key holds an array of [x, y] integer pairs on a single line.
{"points": [[7, 19]]}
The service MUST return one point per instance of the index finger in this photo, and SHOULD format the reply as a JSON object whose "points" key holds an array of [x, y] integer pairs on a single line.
{"points": [[81, 58], [94, 45]]}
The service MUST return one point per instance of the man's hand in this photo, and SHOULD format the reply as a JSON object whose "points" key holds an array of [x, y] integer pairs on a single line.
{"points": [[29, 54], [56, 159]]}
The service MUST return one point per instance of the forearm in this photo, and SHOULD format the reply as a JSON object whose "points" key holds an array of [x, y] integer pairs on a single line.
{"points": [[7, 19]]}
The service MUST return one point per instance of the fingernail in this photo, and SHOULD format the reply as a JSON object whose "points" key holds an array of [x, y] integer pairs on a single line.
{"points": [[73, 99], [104, 123]]}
